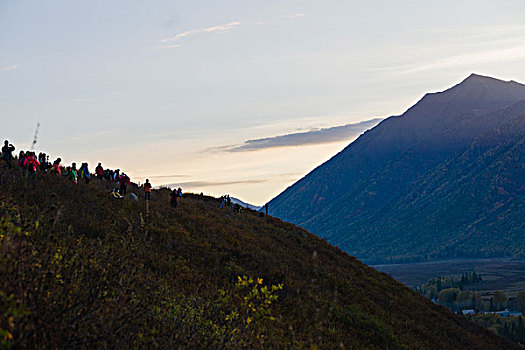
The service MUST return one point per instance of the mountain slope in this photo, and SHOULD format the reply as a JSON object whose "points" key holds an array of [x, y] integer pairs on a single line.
{"points": [[471, 205], [89, 271], [344, 197]]}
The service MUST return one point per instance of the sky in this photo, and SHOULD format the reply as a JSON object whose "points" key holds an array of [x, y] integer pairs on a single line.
{"points": [[241, 97]]}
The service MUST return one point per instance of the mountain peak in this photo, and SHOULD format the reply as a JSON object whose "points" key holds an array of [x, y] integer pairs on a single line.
{"points": [[479, 77], [489, 81], [484, 91]]}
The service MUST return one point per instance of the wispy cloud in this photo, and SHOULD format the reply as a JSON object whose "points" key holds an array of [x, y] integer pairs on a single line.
{"points": [[221, 28], [167, 176], [502, 55], [295, 15], [199, 184], [172, 46], [311, 137], [9, 67]]}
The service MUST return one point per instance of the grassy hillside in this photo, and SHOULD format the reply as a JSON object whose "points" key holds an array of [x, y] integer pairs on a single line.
{"points": [[79, 269]]}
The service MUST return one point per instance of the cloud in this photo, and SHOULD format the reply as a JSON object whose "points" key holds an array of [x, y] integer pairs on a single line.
{"points": [[502, 55], [312, 137], [172, 46], [167, 176], [9, 67], [221, 28], [294, 16], [198, 184]]}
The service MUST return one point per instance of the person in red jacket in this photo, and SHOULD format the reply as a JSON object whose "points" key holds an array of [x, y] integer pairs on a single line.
{"points": [[124, 182], [31, 164], [99, 171]]}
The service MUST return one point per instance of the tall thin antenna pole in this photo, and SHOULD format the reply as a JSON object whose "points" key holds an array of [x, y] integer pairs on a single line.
{"points": [[36, 137]]}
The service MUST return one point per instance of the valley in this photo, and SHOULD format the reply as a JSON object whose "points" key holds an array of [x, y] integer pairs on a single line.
{"points": [[498, 274]]}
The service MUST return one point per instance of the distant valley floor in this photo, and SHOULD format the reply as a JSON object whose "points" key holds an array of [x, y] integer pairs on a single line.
{"points": [[498, 274]]}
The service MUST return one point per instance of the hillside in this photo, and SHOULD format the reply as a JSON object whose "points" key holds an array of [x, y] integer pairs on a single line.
{"points": [[80, 269], [369, 199]]}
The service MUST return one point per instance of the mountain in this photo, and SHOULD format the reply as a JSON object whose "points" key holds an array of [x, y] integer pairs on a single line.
{"points": [[81, 269], [244, 204], [371, 201]]}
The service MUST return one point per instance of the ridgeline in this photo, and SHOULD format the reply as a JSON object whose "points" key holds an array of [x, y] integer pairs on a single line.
{"points": [[79, 269]]}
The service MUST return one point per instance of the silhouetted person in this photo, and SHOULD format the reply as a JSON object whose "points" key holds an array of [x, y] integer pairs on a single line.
{"points": [[174, 198], [124, 182], [266, 208], [99, 171], [147, 190], [22, 158], [31, 164], [7, 153], [56, 167], [72, 173], [83, 172]]}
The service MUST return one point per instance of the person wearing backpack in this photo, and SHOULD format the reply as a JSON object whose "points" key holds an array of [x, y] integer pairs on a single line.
{"points": [[31, 164], [84, 173], [147, 190], [71, 173]]}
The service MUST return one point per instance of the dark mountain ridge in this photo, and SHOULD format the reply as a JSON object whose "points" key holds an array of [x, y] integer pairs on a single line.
{"points": [[338, 199]]}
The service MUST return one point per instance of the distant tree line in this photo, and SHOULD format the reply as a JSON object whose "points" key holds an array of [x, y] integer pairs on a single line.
{"points": [[433, 287], [512, 328], [456, 294]]}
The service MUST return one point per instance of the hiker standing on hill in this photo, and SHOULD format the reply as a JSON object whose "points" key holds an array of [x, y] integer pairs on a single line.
{"points": [[147, 190], [174, 198], [7, 153], [56, 167], [71, 173], [124, 182], [84, 173], [266, 208], [21, 159], [99, 171], [31, 164]]}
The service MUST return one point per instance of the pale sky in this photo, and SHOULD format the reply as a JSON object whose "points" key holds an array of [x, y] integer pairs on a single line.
{"points": [[166, 89]]}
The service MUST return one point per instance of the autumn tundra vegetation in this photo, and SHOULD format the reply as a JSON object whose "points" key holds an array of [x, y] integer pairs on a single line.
{"points": [[81, 269]]}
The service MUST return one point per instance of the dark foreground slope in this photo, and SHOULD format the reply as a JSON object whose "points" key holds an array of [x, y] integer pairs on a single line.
{"points": [[79, 269], [374, 198]]}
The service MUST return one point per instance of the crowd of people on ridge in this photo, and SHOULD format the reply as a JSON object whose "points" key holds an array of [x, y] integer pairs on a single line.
{"points": [[31, 164], [225, 201]]}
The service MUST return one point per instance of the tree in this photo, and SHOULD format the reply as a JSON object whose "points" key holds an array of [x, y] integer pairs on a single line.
{"points": [[430, 291], [500, 299], [448, 297], [520, 301], [465, 298]]}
